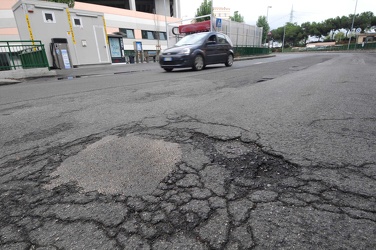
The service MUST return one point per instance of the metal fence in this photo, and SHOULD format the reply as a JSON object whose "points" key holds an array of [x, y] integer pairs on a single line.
{"points": [[341, 47], [22, 55], [242, 34]]}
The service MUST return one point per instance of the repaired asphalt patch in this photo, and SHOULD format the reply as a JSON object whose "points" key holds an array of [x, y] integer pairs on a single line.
{"points": [[130, 165]]}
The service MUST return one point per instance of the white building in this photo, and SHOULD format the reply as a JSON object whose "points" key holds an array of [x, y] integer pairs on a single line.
{"points": [[139, 28], [222, 12]]}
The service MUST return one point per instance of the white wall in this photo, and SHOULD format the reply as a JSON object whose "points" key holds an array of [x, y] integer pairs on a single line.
{"points": [[60, 28]]}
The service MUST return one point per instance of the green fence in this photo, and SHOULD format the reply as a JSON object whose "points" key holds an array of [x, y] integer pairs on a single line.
{"points": [[22, 55], [341, 47], [248, 51]]}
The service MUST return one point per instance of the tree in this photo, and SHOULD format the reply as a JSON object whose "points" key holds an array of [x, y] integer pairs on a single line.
{"points": [[333, 27], [69, 2], [339, 36], [205, 9], [293, 33], [237, 17], [261, 22]]}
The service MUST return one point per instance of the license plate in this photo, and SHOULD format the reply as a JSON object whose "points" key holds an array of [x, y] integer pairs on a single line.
{"points": [[167, 59]]}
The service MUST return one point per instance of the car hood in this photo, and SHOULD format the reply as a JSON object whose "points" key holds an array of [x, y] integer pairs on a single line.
{"points": [[178, 49]]}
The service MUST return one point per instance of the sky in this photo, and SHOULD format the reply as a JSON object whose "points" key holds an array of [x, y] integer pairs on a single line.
{"points": [[280, 11]]}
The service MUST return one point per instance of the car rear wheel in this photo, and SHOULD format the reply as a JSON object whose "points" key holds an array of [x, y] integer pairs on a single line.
{"points": [[229, 61], [198, 63], [168, 69]]}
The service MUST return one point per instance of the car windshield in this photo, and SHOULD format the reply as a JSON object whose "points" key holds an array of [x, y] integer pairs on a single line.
{"points": [[191, 39]]}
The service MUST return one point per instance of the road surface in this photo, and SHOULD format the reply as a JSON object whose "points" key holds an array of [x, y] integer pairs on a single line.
{"points": [[275, 153]]}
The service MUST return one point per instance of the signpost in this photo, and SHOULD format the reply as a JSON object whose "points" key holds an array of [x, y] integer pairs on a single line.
{"points": [[218, 23]]}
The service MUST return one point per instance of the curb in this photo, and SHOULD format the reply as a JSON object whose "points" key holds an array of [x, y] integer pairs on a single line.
{"points": [[8, 81], [253, 57], [15, 78]]}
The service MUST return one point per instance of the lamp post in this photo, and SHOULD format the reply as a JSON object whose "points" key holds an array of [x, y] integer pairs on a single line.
{"points": [[352, 26], [267, 12], [165, 18], [267, 18], [212, 15]]}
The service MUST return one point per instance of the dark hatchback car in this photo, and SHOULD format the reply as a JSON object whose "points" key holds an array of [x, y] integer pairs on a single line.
{"points": [[198, 50]]}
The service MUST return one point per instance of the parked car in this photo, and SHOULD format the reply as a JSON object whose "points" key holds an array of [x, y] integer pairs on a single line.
{"points": [[198, 50]]}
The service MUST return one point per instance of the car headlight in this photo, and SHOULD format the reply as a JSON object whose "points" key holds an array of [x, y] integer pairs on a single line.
{"points": [[185, 51]]}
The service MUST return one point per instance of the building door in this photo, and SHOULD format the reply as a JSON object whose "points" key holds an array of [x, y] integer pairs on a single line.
{"points": [[100, 39], [116, 49]]}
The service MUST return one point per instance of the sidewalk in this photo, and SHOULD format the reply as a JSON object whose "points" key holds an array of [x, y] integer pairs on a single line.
{"points": [[17, 76]]}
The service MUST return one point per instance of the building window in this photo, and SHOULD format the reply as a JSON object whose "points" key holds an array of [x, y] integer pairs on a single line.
{"points": [[49, 17], [127, 33], [147, 6], [122, 4], [77, 22], [162, 36], [153, 35]]}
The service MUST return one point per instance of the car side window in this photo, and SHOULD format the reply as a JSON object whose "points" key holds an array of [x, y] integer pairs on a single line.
{"points": [[212, 38], [221, 39]]}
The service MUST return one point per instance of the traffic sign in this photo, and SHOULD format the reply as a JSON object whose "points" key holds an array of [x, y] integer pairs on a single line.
{"points": [[358, 30], [218, 23]]}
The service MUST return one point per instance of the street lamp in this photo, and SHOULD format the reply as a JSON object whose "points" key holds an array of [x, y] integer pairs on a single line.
{"points": [[267, 18], [165, 19], [267, 12]]}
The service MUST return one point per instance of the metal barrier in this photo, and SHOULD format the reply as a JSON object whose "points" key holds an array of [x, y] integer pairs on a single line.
{"points": [[341, 47], [22, 55], [248, 51]]}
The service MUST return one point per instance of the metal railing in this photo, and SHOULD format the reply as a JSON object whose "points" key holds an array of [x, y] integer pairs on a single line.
{"points": [[22, 55], [342, 47]]}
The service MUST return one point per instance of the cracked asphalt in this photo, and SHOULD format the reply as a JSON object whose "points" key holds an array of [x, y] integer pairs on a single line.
{"points": [[76, 173]]}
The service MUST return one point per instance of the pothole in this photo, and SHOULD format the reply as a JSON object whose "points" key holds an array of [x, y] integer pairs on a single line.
{"points": [[266, 78], [130, 165]]}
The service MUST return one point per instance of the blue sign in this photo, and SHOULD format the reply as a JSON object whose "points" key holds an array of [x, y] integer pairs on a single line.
{"points": [[138, 46], [218, 23]]}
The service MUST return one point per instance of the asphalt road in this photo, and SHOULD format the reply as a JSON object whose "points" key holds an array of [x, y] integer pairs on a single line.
{"points": [[274, 153]]}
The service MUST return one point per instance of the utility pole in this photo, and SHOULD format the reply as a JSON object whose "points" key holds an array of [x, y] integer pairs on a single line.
{"points": [[292, 14], [352, 26]]}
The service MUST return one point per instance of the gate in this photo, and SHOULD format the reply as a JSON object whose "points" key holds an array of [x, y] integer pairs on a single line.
{"points": [[22, 55]]}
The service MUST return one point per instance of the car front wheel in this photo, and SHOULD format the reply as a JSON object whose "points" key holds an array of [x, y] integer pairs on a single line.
{"points": [[230, 60], [198, 63]]}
